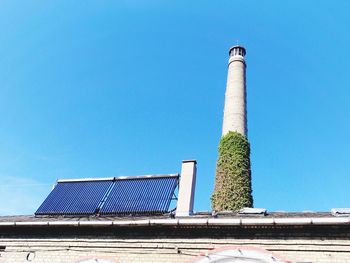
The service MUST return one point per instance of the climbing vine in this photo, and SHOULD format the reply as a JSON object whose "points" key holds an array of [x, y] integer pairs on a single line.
{"points": [[233, 175]]}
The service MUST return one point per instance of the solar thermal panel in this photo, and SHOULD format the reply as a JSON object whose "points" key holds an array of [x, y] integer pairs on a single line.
{"points": [[126, 195], [140, 196], [75, 198]]}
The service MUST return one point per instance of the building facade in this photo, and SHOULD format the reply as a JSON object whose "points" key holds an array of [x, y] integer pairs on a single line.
{"points": [[291, 237]]}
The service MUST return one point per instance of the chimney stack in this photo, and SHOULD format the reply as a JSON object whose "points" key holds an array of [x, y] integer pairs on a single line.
{"points": [[233, 189], [186, 188], [235, 111]]}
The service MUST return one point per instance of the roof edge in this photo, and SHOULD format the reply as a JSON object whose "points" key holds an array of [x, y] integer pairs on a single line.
{"points": [[191, 222]]}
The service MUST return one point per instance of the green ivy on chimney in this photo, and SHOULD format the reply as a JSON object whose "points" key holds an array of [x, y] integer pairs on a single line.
{"points": [[233, 189]]}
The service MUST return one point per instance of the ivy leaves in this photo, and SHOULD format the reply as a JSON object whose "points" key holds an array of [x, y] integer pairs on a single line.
{"points": [[233, 175]]}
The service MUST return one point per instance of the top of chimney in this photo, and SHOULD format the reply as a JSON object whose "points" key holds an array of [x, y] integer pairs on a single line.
{"points": [[237, 51], [189, 161]]}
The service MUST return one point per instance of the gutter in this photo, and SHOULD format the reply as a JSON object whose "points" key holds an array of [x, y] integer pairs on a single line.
{"points": [[191, 222]]}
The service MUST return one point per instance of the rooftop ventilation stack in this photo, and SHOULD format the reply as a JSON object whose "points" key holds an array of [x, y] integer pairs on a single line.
{"points": [[186, 188]]}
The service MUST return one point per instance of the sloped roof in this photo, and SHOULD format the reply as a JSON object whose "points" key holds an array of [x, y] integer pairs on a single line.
{"points": [[198, 219]]}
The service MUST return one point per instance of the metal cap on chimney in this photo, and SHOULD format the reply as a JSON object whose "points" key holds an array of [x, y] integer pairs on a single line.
{"points": [[186, 188]]}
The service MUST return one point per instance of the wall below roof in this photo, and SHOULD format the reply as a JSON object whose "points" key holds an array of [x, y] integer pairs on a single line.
{"points": [[170, 244]]}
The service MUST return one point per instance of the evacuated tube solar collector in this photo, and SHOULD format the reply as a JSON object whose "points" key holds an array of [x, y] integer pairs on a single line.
{"points": [[149, 194]]}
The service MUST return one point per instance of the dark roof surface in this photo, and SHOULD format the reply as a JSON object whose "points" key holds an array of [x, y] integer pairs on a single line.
{"points": [[200, 215]]}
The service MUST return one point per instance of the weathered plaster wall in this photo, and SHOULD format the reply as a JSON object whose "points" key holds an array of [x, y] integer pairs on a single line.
{"points": [[152, 244]]}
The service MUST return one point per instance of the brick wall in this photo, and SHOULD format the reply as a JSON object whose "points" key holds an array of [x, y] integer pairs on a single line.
{"points": [[165, 250], [169, 244]]}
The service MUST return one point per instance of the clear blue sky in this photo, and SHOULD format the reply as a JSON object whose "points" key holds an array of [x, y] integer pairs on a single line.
{"points": [[108, 88]]}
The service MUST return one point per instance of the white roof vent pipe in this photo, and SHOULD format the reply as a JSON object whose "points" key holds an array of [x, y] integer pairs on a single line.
{"points": [[186, 188], [252, 211], [340, 211]]}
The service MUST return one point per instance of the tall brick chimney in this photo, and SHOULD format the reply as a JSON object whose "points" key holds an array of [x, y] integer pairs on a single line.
{"points": [[233, 189], [235, 111]]}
